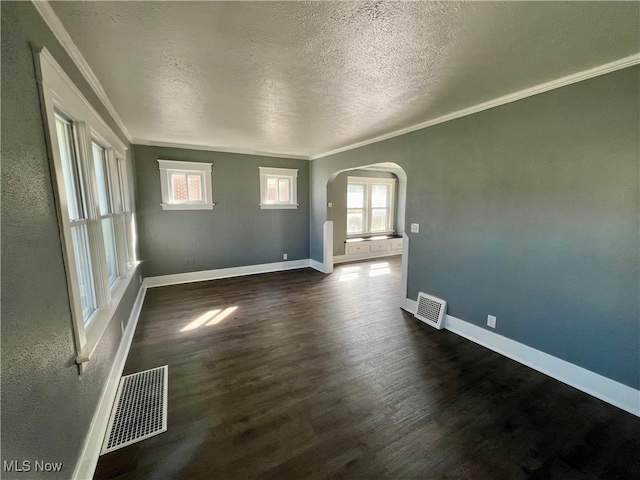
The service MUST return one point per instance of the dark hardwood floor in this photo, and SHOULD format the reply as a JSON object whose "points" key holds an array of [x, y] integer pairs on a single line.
{"points": [[315, 376]]}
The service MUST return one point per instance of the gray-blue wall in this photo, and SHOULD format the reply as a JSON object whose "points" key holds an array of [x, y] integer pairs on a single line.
{"points": [[235, 233], [529, 212], [46, 406]]}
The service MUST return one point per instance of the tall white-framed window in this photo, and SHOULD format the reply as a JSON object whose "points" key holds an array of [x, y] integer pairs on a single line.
{"points": [[370, 205], [186, 185], [278, 188], [92, 189]]}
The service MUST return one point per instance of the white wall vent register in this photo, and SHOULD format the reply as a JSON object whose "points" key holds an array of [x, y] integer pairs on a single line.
{"points": [[431, 310], [140, 409]]}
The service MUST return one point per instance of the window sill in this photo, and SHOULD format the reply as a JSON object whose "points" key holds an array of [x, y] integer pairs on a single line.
{"points": [[266, 206], [364, 237], [187, 206], [102, 318]]}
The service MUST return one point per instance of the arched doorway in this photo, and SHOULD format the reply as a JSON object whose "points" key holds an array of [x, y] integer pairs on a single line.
{"points": [[329, 234]]}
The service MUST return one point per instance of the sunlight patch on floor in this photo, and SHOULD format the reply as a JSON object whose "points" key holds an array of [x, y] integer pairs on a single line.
{"points": [[221, 316], [211, 317], [379, 269], [374, 270]]}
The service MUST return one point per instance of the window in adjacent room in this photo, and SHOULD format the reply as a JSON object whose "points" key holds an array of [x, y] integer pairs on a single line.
{"points": [[370, 205], [186, 185], [278, 188]]}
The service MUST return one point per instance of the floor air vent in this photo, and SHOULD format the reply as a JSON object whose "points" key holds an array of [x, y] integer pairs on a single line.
{"points": [[431, 310], [140, 409]]}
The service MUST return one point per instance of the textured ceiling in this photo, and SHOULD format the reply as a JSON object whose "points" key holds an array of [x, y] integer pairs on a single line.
{"points": [[303, 78]]}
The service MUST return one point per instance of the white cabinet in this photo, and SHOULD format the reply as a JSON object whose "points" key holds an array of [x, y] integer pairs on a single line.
{"points": [[358, 248], [380, 246], [355, 250]]}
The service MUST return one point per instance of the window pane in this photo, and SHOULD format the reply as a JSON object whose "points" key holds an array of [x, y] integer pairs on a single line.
{"points": [[283, 190], [110, 249], [83, 264], [272, 189], [355, 222], [355, 196], [379, 219], [99, 162], [69, 168], [121, 184], [122, 226], [380, 196], [179, 187], [116, 191], [195, 188]]}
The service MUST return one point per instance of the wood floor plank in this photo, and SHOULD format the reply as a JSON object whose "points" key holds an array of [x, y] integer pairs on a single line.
{"points": [[314, 376]]}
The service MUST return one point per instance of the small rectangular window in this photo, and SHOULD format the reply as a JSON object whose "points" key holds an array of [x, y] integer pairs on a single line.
{"points": [[185, 185], [278, 188]]}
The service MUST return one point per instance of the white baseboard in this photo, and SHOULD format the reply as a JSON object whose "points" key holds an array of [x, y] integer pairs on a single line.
{"points": [[86, 466], [203, 275], [610, 391], [319, 266], [363, 256]]}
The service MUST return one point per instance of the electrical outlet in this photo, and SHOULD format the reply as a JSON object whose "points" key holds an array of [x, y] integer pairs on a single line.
{"points": [[330, 205], [491, 321], [185, 261], [415, 228], [284, 257]]}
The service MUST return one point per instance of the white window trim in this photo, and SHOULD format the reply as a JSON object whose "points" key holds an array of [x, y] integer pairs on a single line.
{"points": [[291, 174], [368, 182], [59, 93], [204, 169]]}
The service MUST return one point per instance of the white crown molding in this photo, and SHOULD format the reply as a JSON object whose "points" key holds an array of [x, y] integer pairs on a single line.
{"points": [[240, 151], [625, 62], [51, 19]]}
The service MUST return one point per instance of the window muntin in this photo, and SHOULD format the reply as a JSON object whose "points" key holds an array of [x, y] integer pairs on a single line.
{"points": [[369, 205], [185, 185], [278, 188]]}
